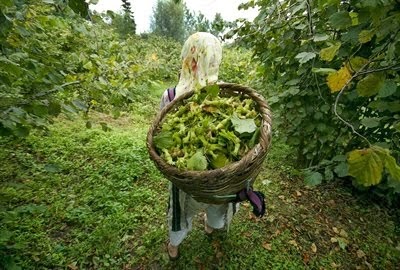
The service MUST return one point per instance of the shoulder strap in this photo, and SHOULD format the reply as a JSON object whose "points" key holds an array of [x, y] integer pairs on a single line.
{"points": [[171, 93]]}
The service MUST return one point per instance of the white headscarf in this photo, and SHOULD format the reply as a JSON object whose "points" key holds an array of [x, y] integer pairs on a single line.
{"points": [[201, 56]]}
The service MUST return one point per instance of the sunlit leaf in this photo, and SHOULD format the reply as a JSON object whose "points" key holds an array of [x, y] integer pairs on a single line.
{"points": [[88, 65], [356, 63], [329, 53], [323, 71], [392, 167], [197, 162], [304, 57], [243, 125], [164, 140], [366, 166], [336, 81], [320, 37], [370, 85], [219, 161], [365, 36]]}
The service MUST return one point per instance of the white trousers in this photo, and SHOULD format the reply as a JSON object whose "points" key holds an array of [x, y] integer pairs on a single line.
{"points": [[182, 208]]}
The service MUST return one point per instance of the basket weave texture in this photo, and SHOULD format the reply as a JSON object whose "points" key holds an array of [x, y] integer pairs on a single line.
{"points": [[220, 185]]}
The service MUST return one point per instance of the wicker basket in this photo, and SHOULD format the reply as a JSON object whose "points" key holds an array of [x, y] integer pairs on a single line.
{"points": [[220, 185]]}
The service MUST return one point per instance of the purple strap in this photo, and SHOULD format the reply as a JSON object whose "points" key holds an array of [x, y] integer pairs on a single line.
{"points": [[171, 93], [255, 198]]}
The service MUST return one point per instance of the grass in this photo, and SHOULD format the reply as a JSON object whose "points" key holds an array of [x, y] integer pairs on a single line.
{"points": [[76, 198]]}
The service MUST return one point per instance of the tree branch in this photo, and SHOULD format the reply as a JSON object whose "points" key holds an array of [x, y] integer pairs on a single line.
{"points": [[393, 67], [309, 17], [337, 101], [52, 90]]}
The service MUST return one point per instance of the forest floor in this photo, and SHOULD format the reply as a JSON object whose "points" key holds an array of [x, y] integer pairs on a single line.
{"points": [[77, 198]]}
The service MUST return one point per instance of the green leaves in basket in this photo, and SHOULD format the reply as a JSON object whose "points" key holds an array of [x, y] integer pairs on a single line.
{"points": [[243, 125], [255, 138], [211, 132], [163, 140], [197, 162], [220, 160], [212, 90]]}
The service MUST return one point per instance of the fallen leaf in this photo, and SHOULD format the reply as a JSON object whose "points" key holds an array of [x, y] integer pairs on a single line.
{"points": [[216, 244], [314, 248], [73, 266], [334, 240], [252, 217], [219, 255], [368, 265], [360, 253], [281, 197], [277, 232], [335, 230], [306, 258], [343, 233], [293, 242], [266, 182], [343, 242], [267, 246], [247, 234], [334, 265], [298, 194]]}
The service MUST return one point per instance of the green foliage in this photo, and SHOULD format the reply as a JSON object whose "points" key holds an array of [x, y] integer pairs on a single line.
{"points": [[168, 20], [129, 14], [53, 61], [330, 61], [122, 23], [238, 67]]}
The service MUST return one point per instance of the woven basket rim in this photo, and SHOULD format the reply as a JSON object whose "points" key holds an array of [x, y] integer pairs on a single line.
{"points": [[266, 119]]}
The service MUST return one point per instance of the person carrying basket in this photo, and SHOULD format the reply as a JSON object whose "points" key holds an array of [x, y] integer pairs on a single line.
{"points": [[201, 57]]}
